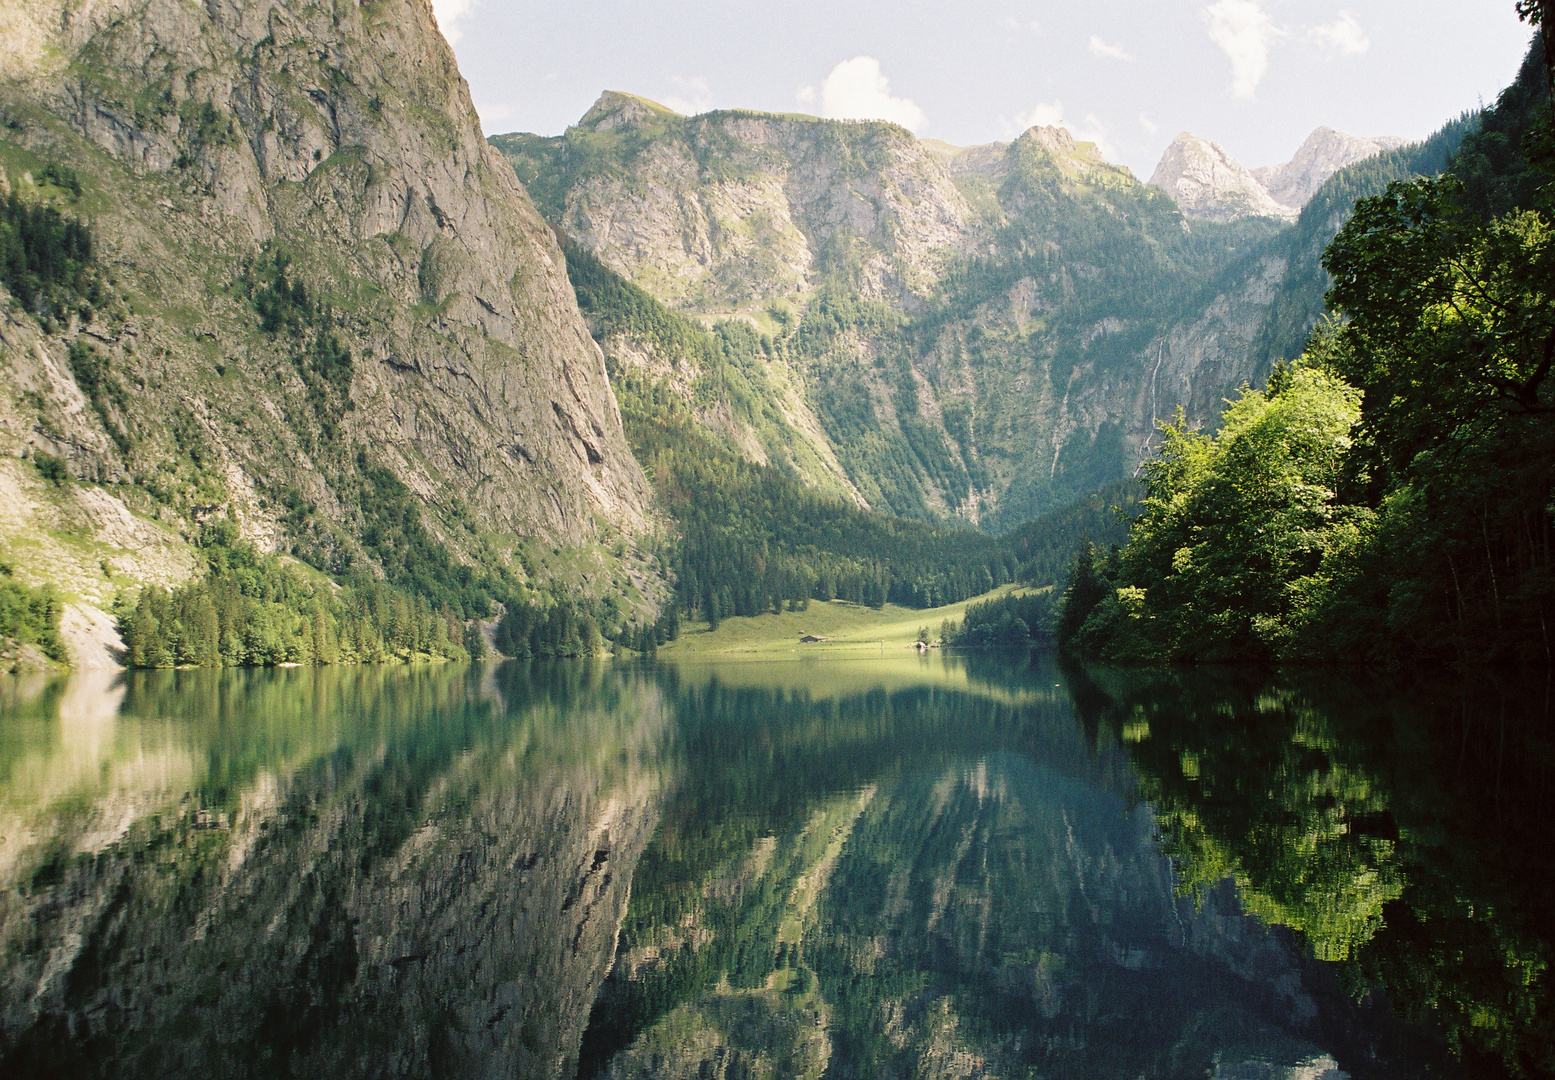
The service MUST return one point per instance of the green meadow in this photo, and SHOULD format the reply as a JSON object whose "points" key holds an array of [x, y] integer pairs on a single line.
{"points": [[851, 630]]}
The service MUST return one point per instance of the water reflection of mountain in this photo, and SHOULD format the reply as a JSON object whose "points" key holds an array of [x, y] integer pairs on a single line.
{"points": [[936, 868], [934, 882], [351, 873]]}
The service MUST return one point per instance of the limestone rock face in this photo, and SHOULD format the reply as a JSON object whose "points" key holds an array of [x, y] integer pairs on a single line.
{"points": [[1324, 153], [1209, 183], [341, 137], [729, 210]]}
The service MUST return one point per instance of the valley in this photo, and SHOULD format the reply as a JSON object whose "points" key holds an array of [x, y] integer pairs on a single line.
{"points": [[284, 308]]}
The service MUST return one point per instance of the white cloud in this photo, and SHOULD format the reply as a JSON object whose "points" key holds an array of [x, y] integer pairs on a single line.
{"points": [[693, 97], [1042, 114], [448, 13], [1244, 32], [1102, 49], [806, 95], [1342, 37], [1022, 25], [857, 90], [1150, 126]]}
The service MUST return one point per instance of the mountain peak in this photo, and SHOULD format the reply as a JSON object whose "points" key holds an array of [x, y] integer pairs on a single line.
{"points": [[1324, 153], [1209, 183], [617, 109]]}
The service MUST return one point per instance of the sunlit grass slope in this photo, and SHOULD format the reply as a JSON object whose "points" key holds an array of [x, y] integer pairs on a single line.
{"points": [[850, 630]]}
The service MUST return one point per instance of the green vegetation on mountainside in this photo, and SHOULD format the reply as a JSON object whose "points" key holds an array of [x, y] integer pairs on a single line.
{"points": [[29, 616], [253, 611], [755, 538], [1026, 368], [1389, 495], [1298, 303]]}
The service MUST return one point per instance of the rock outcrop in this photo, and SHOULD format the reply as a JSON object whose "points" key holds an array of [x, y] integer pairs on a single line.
{"points": [[1035, 372], [337, 141], [733, 210], [1209, 183], [1324, 153]]}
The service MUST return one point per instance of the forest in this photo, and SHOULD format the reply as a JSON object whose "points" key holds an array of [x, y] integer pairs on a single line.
{"points": [[30, 615], [754, 538], [252, 610], [1386, 496]]}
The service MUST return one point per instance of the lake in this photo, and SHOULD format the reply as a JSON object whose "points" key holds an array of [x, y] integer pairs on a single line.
{"points": [[917, 867]]}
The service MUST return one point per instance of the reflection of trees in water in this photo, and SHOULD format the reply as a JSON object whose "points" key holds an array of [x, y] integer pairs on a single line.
{"points": [[423, 869], [1401, 828], [994, 904]]}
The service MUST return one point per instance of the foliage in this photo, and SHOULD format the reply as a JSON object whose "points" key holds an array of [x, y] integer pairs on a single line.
{"points": [[30, 616], [562, 629], [1390, 495], [393, 533], [1233, 529], [253, 610], [753, 537], [1045, 546], [1297, 306], [102, 387], [1010, 623], [47, 258]]}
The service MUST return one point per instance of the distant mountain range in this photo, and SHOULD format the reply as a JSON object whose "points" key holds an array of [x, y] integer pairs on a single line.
{"points": [[1210, 184], [984, 331]]}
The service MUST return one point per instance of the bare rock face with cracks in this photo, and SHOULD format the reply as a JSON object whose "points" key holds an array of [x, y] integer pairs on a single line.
{"points": [[326, 153]]}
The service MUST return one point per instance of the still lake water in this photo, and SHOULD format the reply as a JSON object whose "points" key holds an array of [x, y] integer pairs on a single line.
{"points": [[940, 867]]}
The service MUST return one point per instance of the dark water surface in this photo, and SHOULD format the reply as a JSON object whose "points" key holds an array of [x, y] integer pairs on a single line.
{"points": [[914, 868]]}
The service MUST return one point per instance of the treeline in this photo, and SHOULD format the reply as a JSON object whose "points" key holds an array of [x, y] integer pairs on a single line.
{"points": [[1386, 496], [1044, 547], [754, 538], [46, 257], [1010, 623], [251, 610], [29, 616]]}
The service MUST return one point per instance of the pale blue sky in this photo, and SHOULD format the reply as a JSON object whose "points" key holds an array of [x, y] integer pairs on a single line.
{"points": [[1254, 75]]}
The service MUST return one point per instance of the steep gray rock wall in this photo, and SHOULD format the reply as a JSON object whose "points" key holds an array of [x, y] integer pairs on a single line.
{"points": [[731, 210], [1324, 153], [342, 135], [1209, 183]]}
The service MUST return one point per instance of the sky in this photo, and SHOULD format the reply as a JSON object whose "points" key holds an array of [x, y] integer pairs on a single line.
{"points": [[1255, 76]]}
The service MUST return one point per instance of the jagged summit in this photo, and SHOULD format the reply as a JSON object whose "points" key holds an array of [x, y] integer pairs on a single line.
{"points": [[1209, 183], [1324, 153]]}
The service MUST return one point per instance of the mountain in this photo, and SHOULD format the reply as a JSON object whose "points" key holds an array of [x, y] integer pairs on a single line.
{"points": [[735, 211], [312, 298], [978, 332], [1324, 153], [982, 332], [1209, 183]]}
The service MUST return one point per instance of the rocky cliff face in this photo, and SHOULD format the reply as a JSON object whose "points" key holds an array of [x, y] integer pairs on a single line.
{"points": [[1209, 183], [959, 322], [979, 331], [736, 210], [336, 141], [1324, 153]]}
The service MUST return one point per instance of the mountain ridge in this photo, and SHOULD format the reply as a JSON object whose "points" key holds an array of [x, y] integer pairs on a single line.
{"points": [[330, 301]]}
